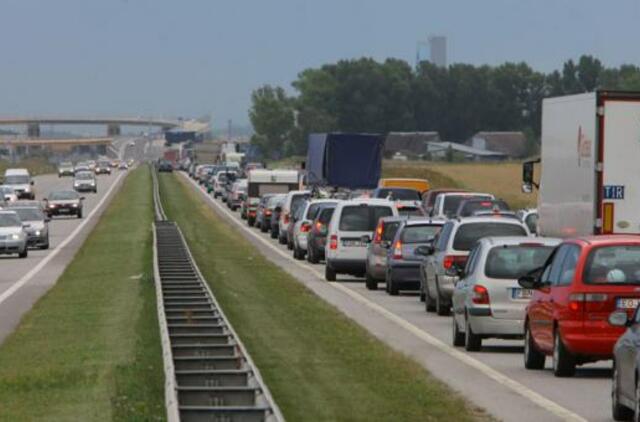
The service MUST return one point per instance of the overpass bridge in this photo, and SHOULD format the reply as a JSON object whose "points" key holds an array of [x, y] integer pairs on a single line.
{"points": [[113, 124]]}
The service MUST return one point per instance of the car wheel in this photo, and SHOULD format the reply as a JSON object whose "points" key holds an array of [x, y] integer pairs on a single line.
{"points": [[24, 253], [429, 303], [274, 234], [472, 341], [533, 358], [457, 338], [298, 253], [282, 240], [329, 273], [250, 222], [564, 364], [264, 228], [392, 287], [312, 257], [370, 282], [45, 246], [441, 308], [80, 214], [619, 412], [289, 245]]}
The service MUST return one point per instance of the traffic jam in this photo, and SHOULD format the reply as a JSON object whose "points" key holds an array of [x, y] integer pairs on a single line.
{"points": [[25, 215], [563, 279]]}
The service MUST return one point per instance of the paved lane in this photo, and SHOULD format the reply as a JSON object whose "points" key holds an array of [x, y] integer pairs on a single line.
{"points": [[494, 378]]}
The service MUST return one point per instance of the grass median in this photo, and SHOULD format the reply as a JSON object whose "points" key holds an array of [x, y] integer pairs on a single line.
{"points": [[90, 348], [318, 364]]}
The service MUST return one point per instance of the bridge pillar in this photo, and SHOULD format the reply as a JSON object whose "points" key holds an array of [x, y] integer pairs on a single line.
{"points": [[33, 130], [113, 130]]}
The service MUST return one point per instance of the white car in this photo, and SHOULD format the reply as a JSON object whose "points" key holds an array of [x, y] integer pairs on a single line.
{"points": [[13, 238], [350, 231], [487, 301], [20, 181], [446, 205], [303, 221], [529, 216], [292, 201], [8, 194]]}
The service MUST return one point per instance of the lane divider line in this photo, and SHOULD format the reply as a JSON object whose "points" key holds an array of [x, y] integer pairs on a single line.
{"points": [[35, 270], [485, 369]]}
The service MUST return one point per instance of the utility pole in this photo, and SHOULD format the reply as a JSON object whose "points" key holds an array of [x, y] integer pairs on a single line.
{"points": [[229, 122]]}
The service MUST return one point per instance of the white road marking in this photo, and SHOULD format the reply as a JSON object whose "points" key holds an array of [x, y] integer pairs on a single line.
{"points": [[35, 270], [487, 370]]}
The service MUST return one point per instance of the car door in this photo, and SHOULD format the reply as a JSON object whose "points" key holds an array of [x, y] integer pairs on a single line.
{"points": [[540, 308], [626, 354], [561, 287], [461, 289], [434, 262]]}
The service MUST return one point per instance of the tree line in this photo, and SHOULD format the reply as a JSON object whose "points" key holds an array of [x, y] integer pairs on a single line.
{"points": [[364, 95]]}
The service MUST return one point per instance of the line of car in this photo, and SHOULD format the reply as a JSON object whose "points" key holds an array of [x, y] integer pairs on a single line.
{"points": [[468, 255]]}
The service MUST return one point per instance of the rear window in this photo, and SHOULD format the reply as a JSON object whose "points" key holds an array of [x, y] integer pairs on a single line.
{"points": [[468, 234], [313, 210], [389, 231], [325, 215], [398, 194], [410, 212], [297, 201], [362, 218], [470, 207], [452, 202], [613, 265], [419, 234], [512, 262]]}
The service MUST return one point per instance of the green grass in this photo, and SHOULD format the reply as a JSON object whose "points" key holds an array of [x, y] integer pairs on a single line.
{"points": [[90, 349], [35, 166], [319, 365]]}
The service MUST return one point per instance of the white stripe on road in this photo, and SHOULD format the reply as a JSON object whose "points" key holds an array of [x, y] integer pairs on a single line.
{"points": [[485, 369], [35, 270]]}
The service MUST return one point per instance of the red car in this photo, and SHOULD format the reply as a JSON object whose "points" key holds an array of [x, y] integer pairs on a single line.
{"points": [[583, 281]]}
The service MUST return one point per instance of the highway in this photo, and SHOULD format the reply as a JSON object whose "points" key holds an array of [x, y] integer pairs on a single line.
{"points": [[494, 379], [24, 281]]}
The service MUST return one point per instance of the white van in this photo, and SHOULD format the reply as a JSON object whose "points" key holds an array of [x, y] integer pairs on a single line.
{"points": [[293, 200], [446, 204], [21, 182], [350, 230]]}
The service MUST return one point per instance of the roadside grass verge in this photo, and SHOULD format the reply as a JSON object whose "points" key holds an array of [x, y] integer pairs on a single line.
{"points": [[318, 364], [90, 348], [36, 166]]}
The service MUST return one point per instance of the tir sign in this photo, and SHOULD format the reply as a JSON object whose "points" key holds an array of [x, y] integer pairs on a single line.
{"points": [[613, 192]]}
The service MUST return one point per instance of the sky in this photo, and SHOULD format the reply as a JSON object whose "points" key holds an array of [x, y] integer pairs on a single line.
{"points": [[189, 58]]}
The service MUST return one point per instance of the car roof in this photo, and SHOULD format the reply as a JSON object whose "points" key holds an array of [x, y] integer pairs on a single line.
{"points": [[12, 172], [466, 193], [601, 240], [487, 219], [421, 221], [517, 240], [375, 201]]}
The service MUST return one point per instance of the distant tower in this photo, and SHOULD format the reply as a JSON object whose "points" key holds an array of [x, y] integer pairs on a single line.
{"points": [[438, 50]]}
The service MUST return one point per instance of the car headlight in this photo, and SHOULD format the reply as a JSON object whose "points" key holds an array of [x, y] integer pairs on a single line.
{"points": [[74, 205], [93, 183], [15, 236], [37, 233]]}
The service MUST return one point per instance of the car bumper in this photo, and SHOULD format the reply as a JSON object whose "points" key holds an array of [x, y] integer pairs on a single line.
{"points": [[349, 266], [484, 324], [406, 275], [24, 195], [446, 286], [8, 247], [590, 341], [84, 188], [40, 240], [62, 211], [302, 241]]}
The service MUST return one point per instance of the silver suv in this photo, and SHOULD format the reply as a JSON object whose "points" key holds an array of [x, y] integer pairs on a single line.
{"points": [[487, 301], [439, 272]]}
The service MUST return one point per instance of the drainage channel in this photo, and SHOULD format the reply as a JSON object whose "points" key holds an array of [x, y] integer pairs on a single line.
{"points": [[209, 375]]}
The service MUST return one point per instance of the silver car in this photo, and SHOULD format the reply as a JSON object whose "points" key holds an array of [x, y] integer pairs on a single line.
{"points": [[85, 181], [35, 223], [487, 301], [302, 223], [13, 238]]}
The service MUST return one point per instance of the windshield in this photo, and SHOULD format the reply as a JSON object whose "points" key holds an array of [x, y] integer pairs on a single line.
{"points": [[362, 218], [419, 234], [16, 180], [66, 165], [398, 194], [297, 201], [613, 265], [452, 202], [470, 207], [512, 262], [10, 220], [314, 209], [63, 195], [468, 234], [29, 214]]}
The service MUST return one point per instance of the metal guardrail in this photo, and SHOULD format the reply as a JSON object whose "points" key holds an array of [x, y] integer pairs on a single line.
{"points": [[209, 374]]}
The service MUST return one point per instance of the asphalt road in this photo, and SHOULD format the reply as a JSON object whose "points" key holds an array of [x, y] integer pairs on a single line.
{"points": [[24, 281], [494, 379]]}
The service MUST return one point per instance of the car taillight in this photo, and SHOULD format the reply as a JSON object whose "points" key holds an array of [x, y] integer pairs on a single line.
{"points": [[305, 227], [378, 236], [397, 250], [333, 242], [267, 212], [480, 295], [589, 302], [450, 260]]}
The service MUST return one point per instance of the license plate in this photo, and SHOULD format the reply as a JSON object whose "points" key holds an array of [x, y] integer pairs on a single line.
{"points": [[351, 243], [521, 294], [627, 303], [63, 210]]}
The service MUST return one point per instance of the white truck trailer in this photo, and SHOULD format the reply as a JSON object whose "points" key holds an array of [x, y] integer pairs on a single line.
{"points": [[590, 165], [263, 181]]}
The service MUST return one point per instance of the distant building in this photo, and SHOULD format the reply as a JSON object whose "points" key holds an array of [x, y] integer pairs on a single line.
{"points": [[512, 144], [439, 151], [412, 145], [438, 50]]}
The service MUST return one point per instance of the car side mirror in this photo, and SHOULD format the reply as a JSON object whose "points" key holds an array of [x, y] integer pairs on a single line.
{"points": [[82, 198], [529, 282], [366, 239], [619, 319]]}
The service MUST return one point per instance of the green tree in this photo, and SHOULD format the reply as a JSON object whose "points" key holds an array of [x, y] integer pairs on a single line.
{"points": [[272, 117]]}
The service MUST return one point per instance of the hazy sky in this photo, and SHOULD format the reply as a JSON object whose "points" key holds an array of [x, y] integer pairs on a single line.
{"points": [[196, 57]]}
